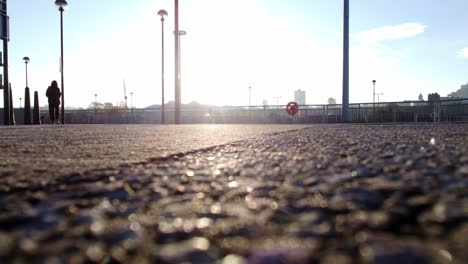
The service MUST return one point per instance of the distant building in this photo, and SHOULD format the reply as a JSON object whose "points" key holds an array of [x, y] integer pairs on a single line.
{"points": [[433, 97], [462, 93], [300, 97]]}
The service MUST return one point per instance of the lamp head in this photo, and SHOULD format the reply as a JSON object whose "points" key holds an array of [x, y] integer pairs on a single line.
{"points": [[374, 81], [26, 60], [162, 13], [61, 5]]}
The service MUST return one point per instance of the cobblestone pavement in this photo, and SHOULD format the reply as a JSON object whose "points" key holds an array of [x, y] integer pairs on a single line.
{"points": [[327, 194], [40, 153]]}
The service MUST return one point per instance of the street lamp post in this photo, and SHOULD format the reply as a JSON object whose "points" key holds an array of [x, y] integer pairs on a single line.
{"points": [[162, 13], [177, 64], [178, 97], [373, 92], [179, 80], [95, 108], [26, 61], [250, 114], [6, 92], [378, 97], [250, 91], [95, 102], [20, 102], [62, 5], [131, 101], [345, 108]]}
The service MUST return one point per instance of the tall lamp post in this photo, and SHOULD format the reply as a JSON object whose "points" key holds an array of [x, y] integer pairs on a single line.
{"points": [[20, 102], [62, 5], [179, 79], [26, 61], [162, 13], [131, 101], [373, 92], [95, 102], [177, 64], [378, 97], [5, 37], [250, 91], [345, 109]]}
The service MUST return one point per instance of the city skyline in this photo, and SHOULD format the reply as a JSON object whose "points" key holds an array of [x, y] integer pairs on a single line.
{"points": [[409, 48]]}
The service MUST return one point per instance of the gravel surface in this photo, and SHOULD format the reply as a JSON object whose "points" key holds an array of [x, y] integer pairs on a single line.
{"points": [[40, 153], [328, 194]]}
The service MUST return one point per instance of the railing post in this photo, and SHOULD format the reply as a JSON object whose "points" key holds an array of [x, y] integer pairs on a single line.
{"points": [[359, 113], [326, 114], [323, 113]]}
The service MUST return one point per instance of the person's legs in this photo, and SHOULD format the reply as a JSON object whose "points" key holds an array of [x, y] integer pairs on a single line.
{"points": [[51, 113], [57, 113]]}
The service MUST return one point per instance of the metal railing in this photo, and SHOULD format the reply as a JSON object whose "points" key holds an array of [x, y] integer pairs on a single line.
{"points": [[385, 112]]}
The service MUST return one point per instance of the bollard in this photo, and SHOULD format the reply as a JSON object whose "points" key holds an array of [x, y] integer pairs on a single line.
{"points": [[12, 109], [27, 107], [36, 113]]}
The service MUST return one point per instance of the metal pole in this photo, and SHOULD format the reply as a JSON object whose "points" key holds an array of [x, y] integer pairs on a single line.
{"points": [[125, 94], [20, 103], [179, 80], [250, 114], [12, 108], [345, 109], [373, 96], [177, 66], [162, 71], [27, 75], [250, 89], [62, 68], [95, 102], [6, 81]]}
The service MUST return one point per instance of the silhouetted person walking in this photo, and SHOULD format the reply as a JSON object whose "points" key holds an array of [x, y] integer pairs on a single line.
{"points": [[53, 93]]}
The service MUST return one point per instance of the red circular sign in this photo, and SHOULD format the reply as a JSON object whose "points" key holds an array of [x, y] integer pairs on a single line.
{"points": [[292, 108]]}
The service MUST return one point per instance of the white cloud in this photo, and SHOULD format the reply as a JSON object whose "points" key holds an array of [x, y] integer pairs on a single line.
{"points": [[463, 53], [402, 31]]}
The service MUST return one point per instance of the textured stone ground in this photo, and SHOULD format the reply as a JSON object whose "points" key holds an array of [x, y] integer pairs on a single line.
{"points": [[40, 153], [328, 194]]}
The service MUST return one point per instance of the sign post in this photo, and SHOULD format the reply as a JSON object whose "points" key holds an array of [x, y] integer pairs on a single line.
{"points": [[292, 108]]}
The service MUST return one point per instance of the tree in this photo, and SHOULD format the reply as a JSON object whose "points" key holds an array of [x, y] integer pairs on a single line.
{"points": [[95, 105], [461, 93], [331, 101], [108, 106]]}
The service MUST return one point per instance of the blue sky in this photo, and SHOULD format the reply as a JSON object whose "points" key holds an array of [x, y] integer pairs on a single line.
{"points": [[275, 46]]}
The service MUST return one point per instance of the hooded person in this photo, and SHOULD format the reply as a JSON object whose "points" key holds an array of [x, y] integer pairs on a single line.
{"points": [[53, 94]]}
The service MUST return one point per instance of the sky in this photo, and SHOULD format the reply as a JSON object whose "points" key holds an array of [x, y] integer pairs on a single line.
{"points": [[273, 46]]}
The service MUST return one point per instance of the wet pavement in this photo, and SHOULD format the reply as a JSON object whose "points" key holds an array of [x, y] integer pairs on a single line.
{"points": [[323, 194]]}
